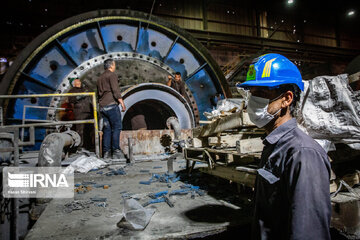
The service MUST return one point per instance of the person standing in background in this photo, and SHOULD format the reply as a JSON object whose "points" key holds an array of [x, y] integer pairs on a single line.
{"points": [[109, 99], [82, 109]]}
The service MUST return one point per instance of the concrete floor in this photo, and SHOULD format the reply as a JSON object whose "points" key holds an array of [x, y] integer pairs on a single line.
{"points": [[217, 211]]}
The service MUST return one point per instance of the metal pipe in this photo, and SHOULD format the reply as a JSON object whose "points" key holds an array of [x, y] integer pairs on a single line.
{"points": [[131, 156], [48, 124], [51, 149], [48, 95], [31, 140], [34, 120], [173, 122], [1, 116], [96, 127]]}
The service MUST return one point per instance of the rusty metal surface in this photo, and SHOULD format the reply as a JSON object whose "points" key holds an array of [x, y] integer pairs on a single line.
{"points": [[145, 142]]}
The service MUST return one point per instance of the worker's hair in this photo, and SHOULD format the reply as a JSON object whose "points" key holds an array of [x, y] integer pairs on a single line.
{"points": [[178, 73], [296, 91], [108, 63]]}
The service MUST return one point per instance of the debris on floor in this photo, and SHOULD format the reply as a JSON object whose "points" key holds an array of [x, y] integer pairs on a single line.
{"points": [[84, 164], [85, 187], [136, 215], [164, 178], [77, 205]]}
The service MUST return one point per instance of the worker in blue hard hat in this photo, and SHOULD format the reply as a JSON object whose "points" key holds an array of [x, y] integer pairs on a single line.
{"points": [[292, 196]]}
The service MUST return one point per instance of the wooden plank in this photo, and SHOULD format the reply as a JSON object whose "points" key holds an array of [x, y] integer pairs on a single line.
{"points": [[198, 143], [224, 155], [251, 145], [224, 141], [248, 179], [351, 179], [246, 169]]}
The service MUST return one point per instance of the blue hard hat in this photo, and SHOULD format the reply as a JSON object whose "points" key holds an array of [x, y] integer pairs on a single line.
{"points": [[272, 70]]}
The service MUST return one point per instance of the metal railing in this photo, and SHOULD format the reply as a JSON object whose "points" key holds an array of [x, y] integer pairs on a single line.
{"points": [[47, 124], [24, 120]]}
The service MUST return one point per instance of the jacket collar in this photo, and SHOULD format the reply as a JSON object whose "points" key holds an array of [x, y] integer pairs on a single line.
{"points": [[280, 131]]}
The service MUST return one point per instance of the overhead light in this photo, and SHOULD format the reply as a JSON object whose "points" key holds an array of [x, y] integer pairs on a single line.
{"points": [[290, 1], [351, 12]]}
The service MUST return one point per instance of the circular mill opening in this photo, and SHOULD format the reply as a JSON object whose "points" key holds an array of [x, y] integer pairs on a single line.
{"points": [[147, 114]]}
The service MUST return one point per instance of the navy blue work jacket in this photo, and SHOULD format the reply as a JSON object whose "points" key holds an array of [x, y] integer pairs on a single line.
{"points": [[292, 193]]}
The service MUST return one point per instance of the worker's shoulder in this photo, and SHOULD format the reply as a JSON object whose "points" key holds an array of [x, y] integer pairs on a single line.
{"points": [[302, 142], [103, 76]]}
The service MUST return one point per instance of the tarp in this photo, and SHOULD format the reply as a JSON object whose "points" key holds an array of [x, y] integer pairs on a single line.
{"points": [[225, 107], [329, 111]]}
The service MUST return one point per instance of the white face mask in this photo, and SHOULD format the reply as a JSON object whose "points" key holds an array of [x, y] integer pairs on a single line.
{"points": [[257, 110]]}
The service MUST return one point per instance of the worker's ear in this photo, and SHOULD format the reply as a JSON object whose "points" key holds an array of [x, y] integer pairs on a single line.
{"points": [[287, 99]]}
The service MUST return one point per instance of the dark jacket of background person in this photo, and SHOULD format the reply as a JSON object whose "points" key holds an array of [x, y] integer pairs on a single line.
{"points": [[83, 109], [82, 104], [108, 89], [179, 86]]}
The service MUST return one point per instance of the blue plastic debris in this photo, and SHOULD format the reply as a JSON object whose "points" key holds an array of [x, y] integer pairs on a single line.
{"points": [[158, 200], [101, 185], [158, 194], [116, 172], [189, 186], [145, 182], [175, 179], [156, 167], [100, 172], [165, 178], [180, 192]]}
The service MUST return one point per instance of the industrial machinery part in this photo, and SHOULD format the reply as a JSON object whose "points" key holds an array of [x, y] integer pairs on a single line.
{"points": [[6, 142], [157, 102], [173, 123], [52, 148], [43, 124], [11, 134], [144, 49], [235, 120]]}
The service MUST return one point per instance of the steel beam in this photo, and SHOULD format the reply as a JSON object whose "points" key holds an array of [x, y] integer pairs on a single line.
{"points": [[318, 51]]}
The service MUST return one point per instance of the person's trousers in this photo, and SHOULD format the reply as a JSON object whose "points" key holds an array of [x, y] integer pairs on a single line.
{"points": [[112, 127], [79, 128]]}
